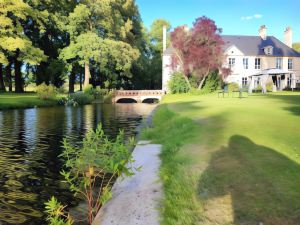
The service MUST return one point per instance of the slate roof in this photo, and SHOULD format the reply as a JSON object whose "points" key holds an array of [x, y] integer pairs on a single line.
{"points": [[254, 45]]}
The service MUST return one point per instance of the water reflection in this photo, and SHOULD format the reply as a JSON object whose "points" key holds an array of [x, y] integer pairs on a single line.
{"points": [[30, 143]]}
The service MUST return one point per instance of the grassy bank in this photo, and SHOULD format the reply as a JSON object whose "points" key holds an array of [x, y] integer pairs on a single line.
{"points": [[229, 161], [24, 100]]}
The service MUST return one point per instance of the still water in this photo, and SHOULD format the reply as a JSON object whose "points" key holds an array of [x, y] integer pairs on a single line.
{"points": [[30, 142]]}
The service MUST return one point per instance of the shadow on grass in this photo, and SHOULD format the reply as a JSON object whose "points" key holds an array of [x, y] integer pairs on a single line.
{"points": [[246, 184], [294, 100]]}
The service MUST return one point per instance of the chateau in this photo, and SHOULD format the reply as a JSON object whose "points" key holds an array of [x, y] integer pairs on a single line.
{"points": [[253, 60]]}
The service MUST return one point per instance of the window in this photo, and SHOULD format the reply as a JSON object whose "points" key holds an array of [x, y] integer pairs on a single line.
{"points": [[290, 64], [257, 63], [268, 50], [245, 63], [244, 81], [231, 62], [279, 63]]}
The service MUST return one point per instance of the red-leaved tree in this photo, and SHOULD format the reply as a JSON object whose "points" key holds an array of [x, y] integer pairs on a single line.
{"points": [[198, 51]]}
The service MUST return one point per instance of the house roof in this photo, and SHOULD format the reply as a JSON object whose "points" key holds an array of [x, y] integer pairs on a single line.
{"points": [[254, 45]]}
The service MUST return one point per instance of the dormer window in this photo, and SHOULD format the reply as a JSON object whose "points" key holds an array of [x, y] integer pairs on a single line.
{"points": [[268, 50]]}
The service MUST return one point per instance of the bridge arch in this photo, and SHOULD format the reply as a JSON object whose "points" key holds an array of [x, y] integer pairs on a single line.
{"points": [[151, 100], [126, 100]]}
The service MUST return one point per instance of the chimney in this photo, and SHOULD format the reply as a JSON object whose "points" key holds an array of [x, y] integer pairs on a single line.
{"points": [[186, 28], [164, 38], [263, 32], [288, 37]]}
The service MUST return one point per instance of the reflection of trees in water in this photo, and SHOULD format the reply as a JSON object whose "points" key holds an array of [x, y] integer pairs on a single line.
{"points": [[247, 183], [30, 142]]}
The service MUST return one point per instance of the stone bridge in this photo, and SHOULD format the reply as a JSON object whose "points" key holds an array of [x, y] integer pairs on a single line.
{"points": [[138, 96]]}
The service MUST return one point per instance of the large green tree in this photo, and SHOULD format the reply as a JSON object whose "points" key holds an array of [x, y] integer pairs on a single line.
{"points": [[98, 35], [14, 42]]}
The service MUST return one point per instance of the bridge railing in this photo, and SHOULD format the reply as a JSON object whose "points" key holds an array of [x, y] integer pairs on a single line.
{"points": [[139, 93]]}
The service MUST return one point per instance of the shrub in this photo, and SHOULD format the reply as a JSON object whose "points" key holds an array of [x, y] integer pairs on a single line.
{"points": [[89, 89], [55, 213], [98, 159], [258, 88], [46, 92], [233, 87], [178, 84], [81, 98], [269, 86], [212, 83]]}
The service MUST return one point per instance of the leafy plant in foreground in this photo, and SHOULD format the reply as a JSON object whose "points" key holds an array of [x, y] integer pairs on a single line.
{"points": [[91, 168], [56, 215]]}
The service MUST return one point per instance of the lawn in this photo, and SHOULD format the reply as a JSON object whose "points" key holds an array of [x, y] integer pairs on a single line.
{"points": [[229, 161], [24, 100]]}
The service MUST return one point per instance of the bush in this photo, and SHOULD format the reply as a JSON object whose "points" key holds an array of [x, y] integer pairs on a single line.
{"points": [[46, 92], [269, 86], [212, 83], [258, 88], [89, 89], [178, 84], [233, 87], [55, 213], [81, 98], [98, 159]]}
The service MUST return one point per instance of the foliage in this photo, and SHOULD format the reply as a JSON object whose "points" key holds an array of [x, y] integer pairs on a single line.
{"points": [[97, 159], [55, 213], [45, 91], [212, 83], [269, 86], [199, 50], [233, 87], [259, 88], [178, 83], [88, 89], [296, 46], [78, 98]]}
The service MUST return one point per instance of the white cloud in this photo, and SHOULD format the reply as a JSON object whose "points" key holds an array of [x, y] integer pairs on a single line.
{"points": [[255, 16]]}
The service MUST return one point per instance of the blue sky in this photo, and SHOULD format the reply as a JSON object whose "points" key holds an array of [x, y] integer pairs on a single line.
{"points": [[233, 16]]}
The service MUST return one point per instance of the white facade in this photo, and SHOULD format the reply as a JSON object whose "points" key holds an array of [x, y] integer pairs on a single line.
{"points": [[245, 66]]}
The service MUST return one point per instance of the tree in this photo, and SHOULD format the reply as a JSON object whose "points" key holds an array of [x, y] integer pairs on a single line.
{"points": [[54, 70], [198, 51], [296, 46], [14, 42], [97, 36]]}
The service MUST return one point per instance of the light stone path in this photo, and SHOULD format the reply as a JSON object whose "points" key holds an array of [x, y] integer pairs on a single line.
{"points": [[136, 199]]}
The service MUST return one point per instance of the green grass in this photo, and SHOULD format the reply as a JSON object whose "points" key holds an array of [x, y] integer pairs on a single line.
{"points": [[229, 161], [24, 100]]}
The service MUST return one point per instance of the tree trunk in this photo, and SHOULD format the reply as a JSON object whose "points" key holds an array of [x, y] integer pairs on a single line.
{"points": [[87, 75], [203, 79], [71, 81], [18, 75], [188, 82], [2, 86], [80, 81], [8, 76]]}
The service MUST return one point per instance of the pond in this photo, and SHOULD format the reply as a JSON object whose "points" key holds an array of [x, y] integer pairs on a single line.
{"points": [[30, 142]]}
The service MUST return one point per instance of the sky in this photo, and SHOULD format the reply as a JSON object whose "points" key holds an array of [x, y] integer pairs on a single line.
{"points": [[235, 17]]}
